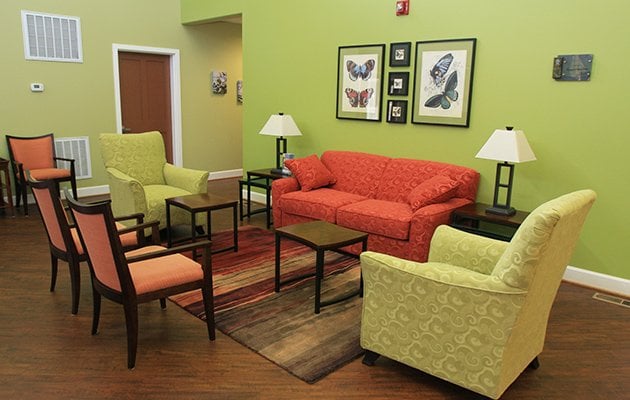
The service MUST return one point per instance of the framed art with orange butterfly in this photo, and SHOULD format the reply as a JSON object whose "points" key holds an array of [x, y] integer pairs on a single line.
{"points": [[443, 79], [360, 82]]}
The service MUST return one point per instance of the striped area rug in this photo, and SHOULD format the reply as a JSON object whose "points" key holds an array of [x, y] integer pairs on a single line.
{"points": [[282, 327]]}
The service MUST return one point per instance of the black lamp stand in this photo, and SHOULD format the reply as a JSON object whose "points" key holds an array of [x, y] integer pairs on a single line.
{"points": [[281, 148], [499, 208]]}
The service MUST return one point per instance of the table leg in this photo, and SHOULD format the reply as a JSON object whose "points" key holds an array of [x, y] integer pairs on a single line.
{"points": [[235, 228], [364, 248], [169, 238], [249, 196], [193, 226], [268, 190], [277, 277], [240, 199], [319, 276]]}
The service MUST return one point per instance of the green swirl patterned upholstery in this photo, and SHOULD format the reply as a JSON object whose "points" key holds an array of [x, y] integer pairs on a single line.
{"points": [[476, 313], [140, 178]]}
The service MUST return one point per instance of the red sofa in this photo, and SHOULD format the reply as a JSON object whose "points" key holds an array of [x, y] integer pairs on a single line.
{"points": [[385, 197]]}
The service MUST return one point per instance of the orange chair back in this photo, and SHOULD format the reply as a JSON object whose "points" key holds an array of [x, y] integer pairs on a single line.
{"points": [[34, 152], [51, 209]]}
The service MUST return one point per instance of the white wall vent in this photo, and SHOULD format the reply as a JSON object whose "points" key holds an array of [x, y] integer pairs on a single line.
{"points": [[77, 148], [50, 37]]}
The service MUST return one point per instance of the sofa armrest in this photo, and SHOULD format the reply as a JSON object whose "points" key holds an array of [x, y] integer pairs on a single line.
{"points": [[192, 180], [280, 187], [424, 222], [127, 193], [473, 252]]}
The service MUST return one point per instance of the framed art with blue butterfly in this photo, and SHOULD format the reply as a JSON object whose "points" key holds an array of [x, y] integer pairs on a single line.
{"points": [[360, 82], [443, 79]]}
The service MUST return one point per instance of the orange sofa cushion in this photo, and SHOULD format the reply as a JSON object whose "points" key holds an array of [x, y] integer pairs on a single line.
{"points": [[310, 172], [381, 217], [319, 204]]}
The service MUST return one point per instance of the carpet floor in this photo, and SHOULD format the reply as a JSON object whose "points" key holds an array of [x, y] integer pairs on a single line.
{"points": [[283, 327]]}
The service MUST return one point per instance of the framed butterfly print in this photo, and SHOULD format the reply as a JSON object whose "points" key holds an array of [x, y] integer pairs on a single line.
{"points": [[397, 111], [443, 82], [400, 54], [398, 83], [360, 82]]}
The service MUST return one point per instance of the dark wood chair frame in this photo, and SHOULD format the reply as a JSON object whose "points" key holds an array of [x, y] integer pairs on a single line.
{"points": [[127, 295], [70, 254], [19, 172]]}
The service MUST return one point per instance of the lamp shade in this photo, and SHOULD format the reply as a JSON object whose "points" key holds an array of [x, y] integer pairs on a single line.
{"points": [[280, 125], [507, 145]]}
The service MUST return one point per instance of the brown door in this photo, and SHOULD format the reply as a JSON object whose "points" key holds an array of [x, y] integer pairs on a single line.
{"points": [[145, 95]]}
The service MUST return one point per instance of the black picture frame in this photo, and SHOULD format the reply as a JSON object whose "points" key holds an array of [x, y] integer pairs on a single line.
{"points": [[360, 82], [397, 111], [443, 80], [400, 54], [398, 84]]}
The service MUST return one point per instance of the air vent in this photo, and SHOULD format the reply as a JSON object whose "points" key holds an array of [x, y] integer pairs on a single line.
{"points": [[612, 299], [77, 148], [49, 37]]}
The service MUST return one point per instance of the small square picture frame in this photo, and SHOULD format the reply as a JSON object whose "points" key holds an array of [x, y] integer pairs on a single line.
{"points": [[398, 84], [397, 111], [400, 54]]}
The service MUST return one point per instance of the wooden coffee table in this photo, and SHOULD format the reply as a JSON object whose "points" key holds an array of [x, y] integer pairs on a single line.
{"points": [[319, 236], [196, 203]]}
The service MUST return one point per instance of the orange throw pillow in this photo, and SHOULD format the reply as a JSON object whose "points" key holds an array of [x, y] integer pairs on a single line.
{"points": [[310, 172], [437, 189]]}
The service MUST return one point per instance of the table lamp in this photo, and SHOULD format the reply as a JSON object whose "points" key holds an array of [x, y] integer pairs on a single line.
{"points": [[280, 125], [508, 146]]}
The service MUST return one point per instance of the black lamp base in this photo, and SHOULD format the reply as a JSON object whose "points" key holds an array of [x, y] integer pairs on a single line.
{"points": [[505, 211]]}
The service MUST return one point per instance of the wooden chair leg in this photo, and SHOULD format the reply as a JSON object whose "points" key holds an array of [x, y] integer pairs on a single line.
{"points": [[163, 303], [131, 319], [535, 364], [53, 271], [25, 205], [75, 284], [96, 315], [208, 304], [370, 358]]}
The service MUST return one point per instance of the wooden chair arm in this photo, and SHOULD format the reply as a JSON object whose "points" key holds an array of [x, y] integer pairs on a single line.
{"points": [[173, 250]]}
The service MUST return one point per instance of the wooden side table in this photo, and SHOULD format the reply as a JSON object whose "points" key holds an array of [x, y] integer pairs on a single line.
{"points": [[6, 184], [196, 203], [260, 178], [474, 219], [319, 236]]}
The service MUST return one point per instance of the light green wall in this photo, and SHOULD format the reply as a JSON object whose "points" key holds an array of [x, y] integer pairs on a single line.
{"points": [[79, 98], [576, 129]]}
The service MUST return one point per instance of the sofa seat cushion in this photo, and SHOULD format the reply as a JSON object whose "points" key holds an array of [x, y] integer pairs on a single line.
{"points": [[319, 204], [381, 217]]}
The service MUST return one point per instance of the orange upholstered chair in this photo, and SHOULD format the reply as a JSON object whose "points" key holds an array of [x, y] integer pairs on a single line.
{"points": [[140, 276], [37, 156], [63, 237]]}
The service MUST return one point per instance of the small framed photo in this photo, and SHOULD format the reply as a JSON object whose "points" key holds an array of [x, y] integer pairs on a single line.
{"points": [[400, 54], [398, 84], [397, 111]]}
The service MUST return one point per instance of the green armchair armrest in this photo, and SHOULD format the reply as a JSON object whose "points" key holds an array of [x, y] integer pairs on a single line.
{"points": [[191, 180], [127, 193]]}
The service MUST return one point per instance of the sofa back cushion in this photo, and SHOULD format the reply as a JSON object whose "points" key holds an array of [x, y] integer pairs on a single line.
{"points": [[356, 172], [402, 175]]}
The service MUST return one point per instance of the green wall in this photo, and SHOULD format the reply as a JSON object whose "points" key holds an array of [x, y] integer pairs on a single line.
{"points": [[79, 98], [575, 128]]}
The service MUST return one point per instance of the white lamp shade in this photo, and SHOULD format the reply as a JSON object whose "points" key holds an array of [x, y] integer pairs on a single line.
{"points": [[507, 145], [280, 125]]}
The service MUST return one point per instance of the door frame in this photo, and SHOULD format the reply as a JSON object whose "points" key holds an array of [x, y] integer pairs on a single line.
{"points": [[176, 104]]}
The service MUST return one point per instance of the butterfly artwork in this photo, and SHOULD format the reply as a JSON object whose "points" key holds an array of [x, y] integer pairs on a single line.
{"points": [[444, 99], [360, 71], [359, 99], [439, 70]]}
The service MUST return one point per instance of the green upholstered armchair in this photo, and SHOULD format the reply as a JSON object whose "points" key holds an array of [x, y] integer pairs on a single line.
{"points": [[140, 178], [476, 313]]}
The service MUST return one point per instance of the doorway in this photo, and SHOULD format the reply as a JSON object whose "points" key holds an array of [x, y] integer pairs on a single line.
{"points": [[147, 90]]}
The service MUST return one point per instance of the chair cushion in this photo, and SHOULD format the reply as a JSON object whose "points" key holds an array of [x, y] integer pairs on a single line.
{"points": [[310, 172], [319, 204], [162, 272], [49, 173], [437, 189], [381, 217]]}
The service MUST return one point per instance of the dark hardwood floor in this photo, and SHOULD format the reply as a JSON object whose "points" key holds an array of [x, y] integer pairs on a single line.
{"points": [[47, 353]]}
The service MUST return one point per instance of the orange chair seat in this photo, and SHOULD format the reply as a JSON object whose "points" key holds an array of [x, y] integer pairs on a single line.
{"points": [[49, 173], [163, 272]]}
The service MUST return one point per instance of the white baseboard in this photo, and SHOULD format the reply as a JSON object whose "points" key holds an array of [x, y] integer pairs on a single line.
{"points": [[232, 173], [597, 280]]}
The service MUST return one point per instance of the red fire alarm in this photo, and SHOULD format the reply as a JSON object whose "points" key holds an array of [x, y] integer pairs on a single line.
{"points": [[402, 7]]}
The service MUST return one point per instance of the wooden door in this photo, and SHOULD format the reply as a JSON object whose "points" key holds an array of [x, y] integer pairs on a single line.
{"points": [[145, 95]]}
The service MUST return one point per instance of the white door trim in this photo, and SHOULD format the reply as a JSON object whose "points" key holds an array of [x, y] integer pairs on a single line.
{"points": [[176, 104]]}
